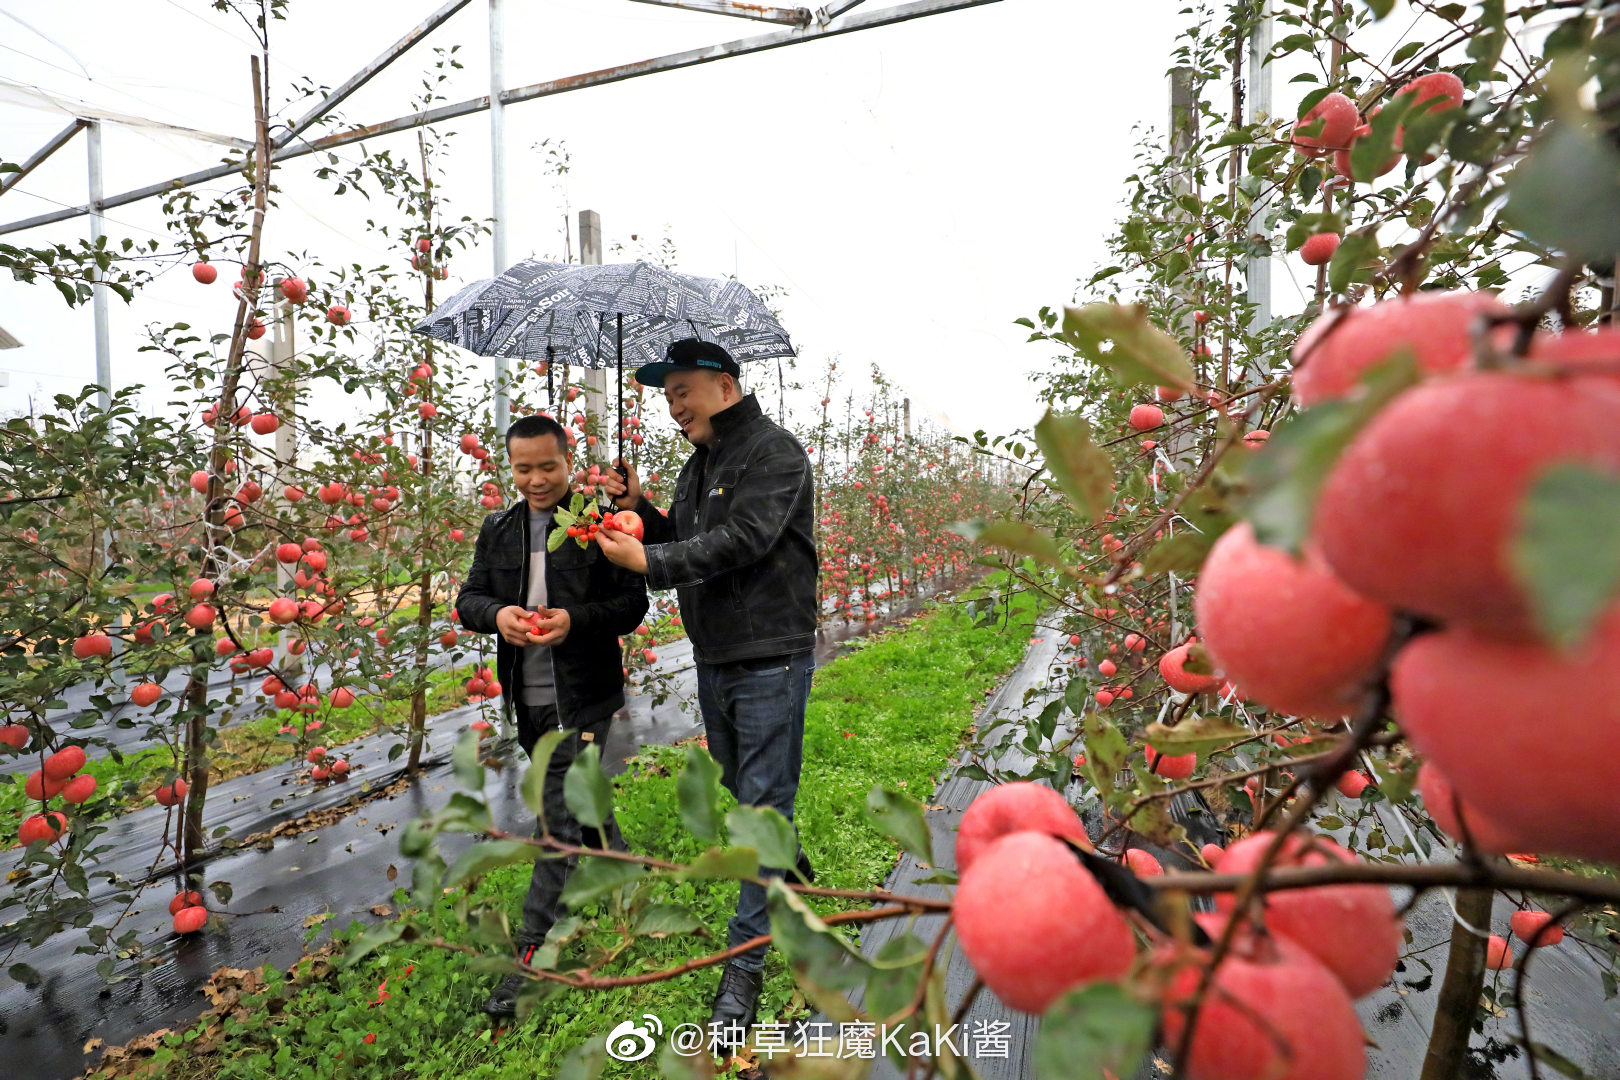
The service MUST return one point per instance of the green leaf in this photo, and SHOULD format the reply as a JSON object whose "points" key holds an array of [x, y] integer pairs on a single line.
{"points": [[534, 777], [465, 760], [1106, 751], [1263, 156], [584, 1062], [1566, 555], [823, 961], [1094, 1028], [556, 538], [732, 862], [1139, 352], [1286, 477], [1076, 695], [900, 817], [1566, 193], [1380, 8], [1357, 258], [586, 789], [1485, 42], [1081, 468], [481, 858], [24, 974], [662, 920], [374, 939], [1017, 536], [697, 790], [764, 829], [596, 876], [1195, 734], [1182, 553]]}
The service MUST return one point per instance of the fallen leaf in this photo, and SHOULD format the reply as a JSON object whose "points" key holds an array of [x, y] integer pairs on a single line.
{"points": [[381, 910]]}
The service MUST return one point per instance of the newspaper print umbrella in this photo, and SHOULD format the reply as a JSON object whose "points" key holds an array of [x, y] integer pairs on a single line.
{"points": [[539, 310]]}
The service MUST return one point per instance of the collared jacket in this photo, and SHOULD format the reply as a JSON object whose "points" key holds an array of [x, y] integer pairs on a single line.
{"points": [[738, 546], [603, 601]]}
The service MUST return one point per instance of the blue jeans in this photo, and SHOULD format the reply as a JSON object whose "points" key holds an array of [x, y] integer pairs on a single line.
{"points": [[753, 714]]}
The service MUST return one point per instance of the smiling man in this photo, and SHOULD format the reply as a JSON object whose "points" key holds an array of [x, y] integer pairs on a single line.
{"points": [[567, 674], [739, 549]]}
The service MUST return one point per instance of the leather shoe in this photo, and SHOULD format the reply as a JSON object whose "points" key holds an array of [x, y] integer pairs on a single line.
{"points": [[736, 1002], [803, 867], [503, 1002]]}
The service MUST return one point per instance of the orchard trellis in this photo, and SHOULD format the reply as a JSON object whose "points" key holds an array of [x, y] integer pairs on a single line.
{"points": [[1174, 461]]}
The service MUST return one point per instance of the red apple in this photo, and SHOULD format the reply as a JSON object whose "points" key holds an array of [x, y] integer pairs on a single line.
{"points": [[1142, 863], [48, 827], [1294, 636], [1034, 923], [1435, 327], [1273, 1012], [1014, 807], [204, 273], [78, 789], [92, 645], [65, 762], [190, 920], [40, 787], [1498, 957], [14, 736], [1443, 470], [185, 900], [171, 794], [1337, 118], [1144, 417], [1526, 924], [1318, 250], [1352, 929], [1173, 669], [337, 315], [1175, 767], [147, 693]]}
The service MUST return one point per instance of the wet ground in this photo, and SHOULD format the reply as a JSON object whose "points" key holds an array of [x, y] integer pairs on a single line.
{"points": [[339, 869]]}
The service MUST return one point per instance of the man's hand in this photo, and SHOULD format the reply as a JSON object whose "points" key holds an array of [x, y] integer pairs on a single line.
{"points": [[513, 624], [622, 549], [625, 491], [553, 627]]}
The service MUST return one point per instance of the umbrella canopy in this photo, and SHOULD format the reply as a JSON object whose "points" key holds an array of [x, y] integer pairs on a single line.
{"points": [[594, 316]]}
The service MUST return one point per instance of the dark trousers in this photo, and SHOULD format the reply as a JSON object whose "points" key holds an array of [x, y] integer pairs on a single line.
{"points": [[753, 715], [541, 907]]}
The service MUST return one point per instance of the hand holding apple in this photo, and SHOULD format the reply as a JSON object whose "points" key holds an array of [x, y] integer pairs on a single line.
{"points": [[623, 549], [512, 622], [624, 490], [553, 627]]}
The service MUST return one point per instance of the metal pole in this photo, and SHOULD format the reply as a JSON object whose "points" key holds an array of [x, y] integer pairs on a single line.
{"points": [[497, 175], [1257, 270], [590, 254], [98, 298]]}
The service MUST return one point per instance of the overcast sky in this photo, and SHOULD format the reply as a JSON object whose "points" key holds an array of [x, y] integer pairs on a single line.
{"points": [[915, 188]]}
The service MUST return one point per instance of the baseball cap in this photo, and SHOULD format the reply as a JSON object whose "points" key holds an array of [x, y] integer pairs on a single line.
{"points": [[688, 354]]}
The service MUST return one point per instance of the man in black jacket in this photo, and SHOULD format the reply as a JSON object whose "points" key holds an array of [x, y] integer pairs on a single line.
{"points": [[738, 546], [567, 675]]}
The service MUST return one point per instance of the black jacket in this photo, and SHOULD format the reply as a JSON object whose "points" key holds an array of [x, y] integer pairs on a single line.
{"points": [[602, 601], [739, 543]]}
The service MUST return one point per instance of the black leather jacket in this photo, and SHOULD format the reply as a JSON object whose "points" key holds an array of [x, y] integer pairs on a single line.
{"points": [[738, 546], [602, 601]]}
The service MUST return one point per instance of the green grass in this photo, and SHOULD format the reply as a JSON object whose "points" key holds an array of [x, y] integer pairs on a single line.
{"points": [[893, 712]]}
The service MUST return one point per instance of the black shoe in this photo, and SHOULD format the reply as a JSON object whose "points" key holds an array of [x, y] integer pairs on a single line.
{"points": [[736, 1002], [803, 867], [503, 1002]]}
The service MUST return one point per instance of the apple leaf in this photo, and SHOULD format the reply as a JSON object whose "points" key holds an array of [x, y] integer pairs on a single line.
{"points": [[766, 831], [697, 790], [1195, 734], [586, 789], [466, 762], [556, 538], [823, 961], [1357, 257], [1017, 536], [1139, 352], [1566, 554], [1079, 466], [1566, 193], [732, 862], [1094, 1031], [901, 819], [481, 858], [1287, 475], [534, 777], [596, 876]]}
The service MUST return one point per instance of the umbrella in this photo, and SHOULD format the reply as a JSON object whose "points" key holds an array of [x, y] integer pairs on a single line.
{"points": [[542, 310]]}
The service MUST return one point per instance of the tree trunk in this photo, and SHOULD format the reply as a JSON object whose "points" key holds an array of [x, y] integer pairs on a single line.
{"points": [[1459, 994], [196, 762]]}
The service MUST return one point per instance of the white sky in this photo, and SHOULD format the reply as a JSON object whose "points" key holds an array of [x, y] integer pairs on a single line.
{"points": [[915, 187]]}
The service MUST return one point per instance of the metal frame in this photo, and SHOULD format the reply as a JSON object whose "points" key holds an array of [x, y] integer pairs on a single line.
{"points": [[826, 22], [57, 141], [762, 12], [690, 58]]}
